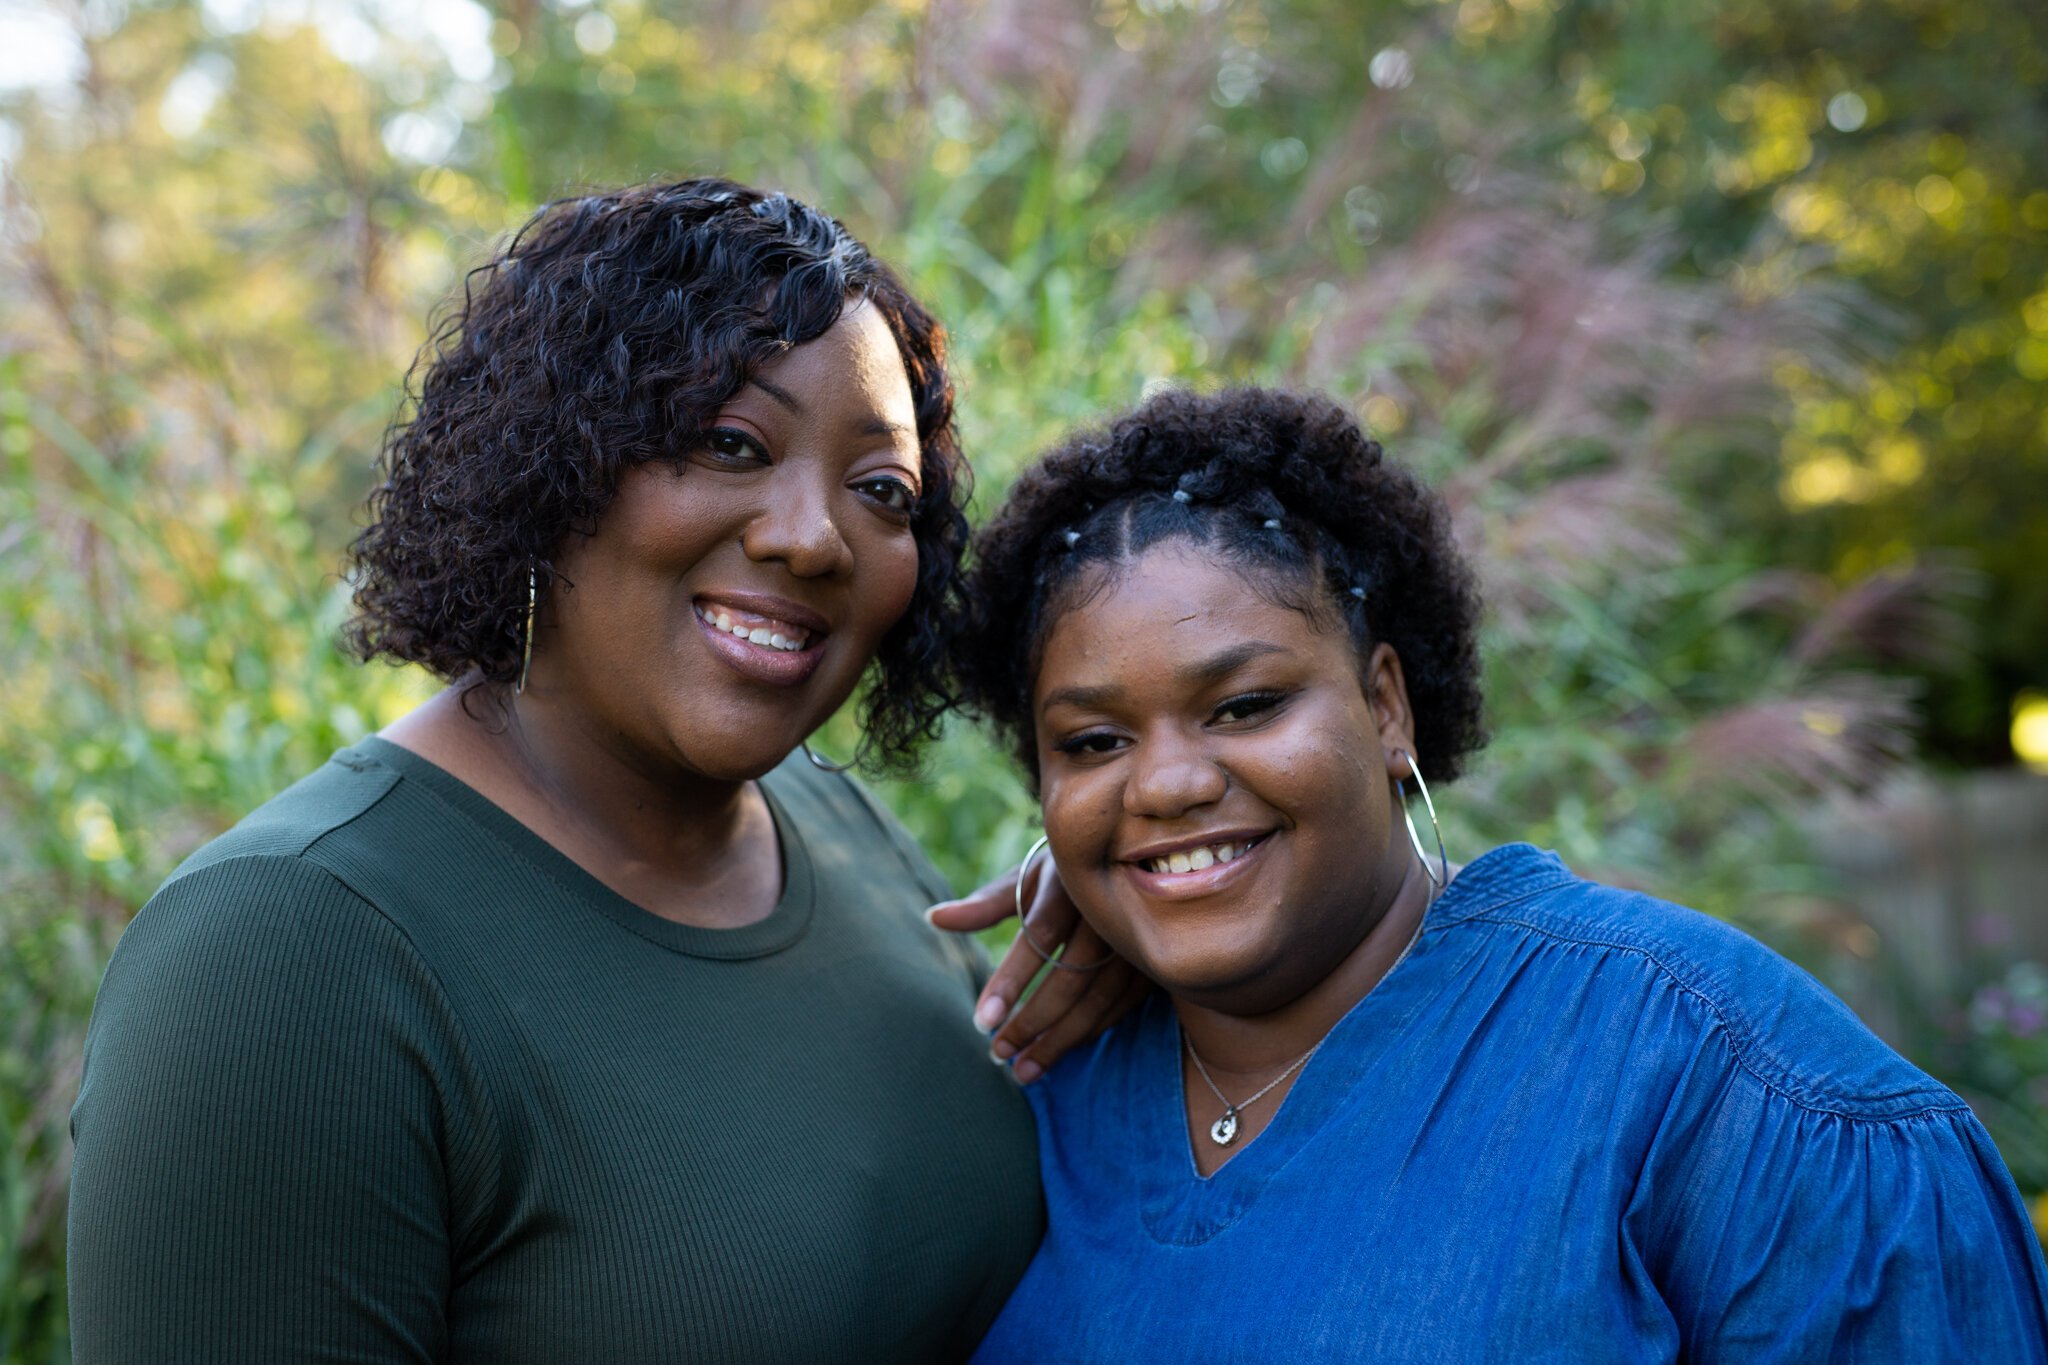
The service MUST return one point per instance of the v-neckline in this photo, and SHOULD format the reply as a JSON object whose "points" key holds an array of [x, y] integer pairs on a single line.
{"points": [[1181, 1206]]}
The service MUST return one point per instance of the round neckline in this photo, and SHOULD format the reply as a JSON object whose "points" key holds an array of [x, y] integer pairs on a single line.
{"points": [[777, 930]]}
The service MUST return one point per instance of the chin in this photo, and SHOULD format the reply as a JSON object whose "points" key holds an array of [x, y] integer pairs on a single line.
{"points": [[1243, 999], [739, 739], [1239, 979], [734, 758]]}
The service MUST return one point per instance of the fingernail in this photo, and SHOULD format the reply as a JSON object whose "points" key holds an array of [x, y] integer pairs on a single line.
{"points": [[989, 1013], [1002, 1050], [932, 910], [1027, 1071]]}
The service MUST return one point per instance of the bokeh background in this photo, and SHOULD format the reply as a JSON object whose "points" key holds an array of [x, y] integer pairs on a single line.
{"points": [[1723, 326]]}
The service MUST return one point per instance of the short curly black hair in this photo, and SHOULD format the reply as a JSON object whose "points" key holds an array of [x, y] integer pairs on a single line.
{"points": [[1281, 482], [605, 334]]}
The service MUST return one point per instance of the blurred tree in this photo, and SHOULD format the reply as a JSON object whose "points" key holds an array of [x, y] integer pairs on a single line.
{"points": [[1902, 144]]}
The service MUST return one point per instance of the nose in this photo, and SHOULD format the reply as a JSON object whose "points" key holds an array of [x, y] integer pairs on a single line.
{"points": [[1171, 775], [796, 524]]}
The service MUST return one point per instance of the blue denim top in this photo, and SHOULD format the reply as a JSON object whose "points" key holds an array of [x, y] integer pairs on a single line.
{"points": [[1576, 1124]]}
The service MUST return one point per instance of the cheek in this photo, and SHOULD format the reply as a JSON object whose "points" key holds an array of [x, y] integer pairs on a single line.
{"points": [[1328, 783], [1080, 809], [888, 582], [1058, 808], [660, 524], [1310, 768]]}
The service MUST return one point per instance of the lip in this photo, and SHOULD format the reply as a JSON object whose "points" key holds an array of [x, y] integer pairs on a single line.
{"points": [[763, 663], [1209, 880]]}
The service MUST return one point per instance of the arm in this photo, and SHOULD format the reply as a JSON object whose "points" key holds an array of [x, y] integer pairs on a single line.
{"points": [[1777, 1232], [260, 1170], [1069, 1007]]}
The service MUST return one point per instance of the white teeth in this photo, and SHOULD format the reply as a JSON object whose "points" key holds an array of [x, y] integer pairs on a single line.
{"points": [[760, 635], [1195, 860]]}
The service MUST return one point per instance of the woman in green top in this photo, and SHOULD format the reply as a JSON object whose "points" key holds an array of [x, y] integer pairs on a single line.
{"points": [[571, 1018]]}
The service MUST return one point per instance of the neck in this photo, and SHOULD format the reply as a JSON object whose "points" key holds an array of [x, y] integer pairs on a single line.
{"points": [[652, 807], [565, 774], [1248, 1050]]}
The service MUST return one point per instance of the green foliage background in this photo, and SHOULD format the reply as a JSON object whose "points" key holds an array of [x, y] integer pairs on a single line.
{"points": [[1722, 325]]}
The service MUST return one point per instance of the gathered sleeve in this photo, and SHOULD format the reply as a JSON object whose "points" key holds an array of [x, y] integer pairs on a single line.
{"points": [[268, 1132], [1816, 1228]]}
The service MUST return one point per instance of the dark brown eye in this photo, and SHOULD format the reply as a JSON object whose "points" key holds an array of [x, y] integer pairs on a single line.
{"points": [[731, 446], [1249, 705], [1095, 742], [891, 493]]}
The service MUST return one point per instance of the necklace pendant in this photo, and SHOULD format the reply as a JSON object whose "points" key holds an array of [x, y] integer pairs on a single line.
{"points": [[1223, 1131]]}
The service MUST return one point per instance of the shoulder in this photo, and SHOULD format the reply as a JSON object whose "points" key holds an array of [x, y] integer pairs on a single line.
{"points": [[256, 979], [849, 833], [837, 810], [258, 934], [259, 982], [283, 829], [1091, 1084], [263, 900], [1782, 1027], [823, 800]]}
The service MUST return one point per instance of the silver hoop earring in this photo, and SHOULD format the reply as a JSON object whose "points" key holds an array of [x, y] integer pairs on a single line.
{"points": [[1024, 925], [826, 764], [1439, 880], [526, 648]]}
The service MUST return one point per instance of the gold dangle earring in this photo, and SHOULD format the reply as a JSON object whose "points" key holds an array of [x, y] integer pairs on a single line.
{"points": [[1414, 835], [526, 647]]}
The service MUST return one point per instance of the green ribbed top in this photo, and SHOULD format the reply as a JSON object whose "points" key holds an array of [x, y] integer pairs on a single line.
{"points": [[379, 1075]]}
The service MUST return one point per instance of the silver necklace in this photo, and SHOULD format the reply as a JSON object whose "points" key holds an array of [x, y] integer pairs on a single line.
{"points": [[1223, 1131]]}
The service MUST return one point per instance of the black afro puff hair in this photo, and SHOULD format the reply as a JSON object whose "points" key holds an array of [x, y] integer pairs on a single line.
{"points": [[1283, 483], [606, 333]]}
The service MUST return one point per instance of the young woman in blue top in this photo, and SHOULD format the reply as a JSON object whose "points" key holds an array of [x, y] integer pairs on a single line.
{"points": [[1388, 1109]]}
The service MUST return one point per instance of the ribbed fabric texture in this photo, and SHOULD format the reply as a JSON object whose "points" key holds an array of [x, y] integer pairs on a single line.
{"points": [[381, 1076]]}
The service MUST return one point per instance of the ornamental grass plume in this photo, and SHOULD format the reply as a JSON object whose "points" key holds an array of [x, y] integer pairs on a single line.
{"points": [[1602, 419], [1840, 735], [1901, 614]]}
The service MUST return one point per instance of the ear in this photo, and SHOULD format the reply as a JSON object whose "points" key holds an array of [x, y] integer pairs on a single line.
{"points": [[1386, 691]]}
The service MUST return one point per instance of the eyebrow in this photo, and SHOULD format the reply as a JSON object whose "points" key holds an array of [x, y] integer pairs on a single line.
{"points": [[1201, 673], [874, 426], [778, 393]]}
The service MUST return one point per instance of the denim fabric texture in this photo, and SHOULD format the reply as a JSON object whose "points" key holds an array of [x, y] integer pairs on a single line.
{"points": [[1576, 1124]]}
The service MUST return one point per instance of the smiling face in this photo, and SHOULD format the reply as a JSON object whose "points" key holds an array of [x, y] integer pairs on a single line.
{"points": [[724, 608], [1216, 773]]}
